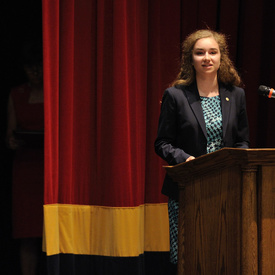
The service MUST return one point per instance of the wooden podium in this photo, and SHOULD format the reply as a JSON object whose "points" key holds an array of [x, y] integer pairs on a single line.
{"points": [[227, 213]]}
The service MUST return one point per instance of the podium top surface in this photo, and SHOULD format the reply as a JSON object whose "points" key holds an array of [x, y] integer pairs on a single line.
{"points": [[222, 158]]}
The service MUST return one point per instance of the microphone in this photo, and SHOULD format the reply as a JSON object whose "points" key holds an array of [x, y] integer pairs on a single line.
{"points": [[266, 91]]}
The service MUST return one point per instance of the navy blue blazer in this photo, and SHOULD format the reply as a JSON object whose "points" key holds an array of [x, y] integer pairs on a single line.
{"points": [[182, 129]]}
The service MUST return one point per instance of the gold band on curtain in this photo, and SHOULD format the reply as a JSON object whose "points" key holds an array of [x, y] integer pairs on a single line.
{"points": [[105, 231]]}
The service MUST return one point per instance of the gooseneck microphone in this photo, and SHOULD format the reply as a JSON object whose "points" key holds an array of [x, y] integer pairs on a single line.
{"points": [[266, 91]]}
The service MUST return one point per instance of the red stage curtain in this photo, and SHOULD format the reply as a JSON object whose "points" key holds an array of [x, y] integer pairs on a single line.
{"points": [[106, 65]]}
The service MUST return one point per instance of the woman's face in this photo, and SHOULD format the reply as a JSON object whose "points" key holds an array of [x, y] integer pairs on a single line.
{"points": [[34, 73], [206, 56]]}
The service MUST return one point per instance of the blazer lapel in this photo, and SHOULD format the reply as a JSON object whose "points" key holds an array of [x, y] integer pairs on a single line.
{"points": [[193, 98], [225, 105]]}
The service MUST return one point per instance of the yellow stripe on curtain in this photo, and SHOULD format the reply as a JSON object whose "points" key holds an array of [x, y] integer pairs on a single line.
{"points": [[105, 231]]}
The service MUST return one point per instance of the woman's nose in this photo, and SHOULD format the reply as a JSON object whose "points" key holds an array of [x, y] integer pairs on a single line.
{"points": [[206, 56]]}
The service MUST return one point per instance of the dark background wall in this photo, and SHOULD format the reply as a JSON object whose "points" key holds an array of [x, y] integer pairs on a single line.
{"points": [[20, 22]]}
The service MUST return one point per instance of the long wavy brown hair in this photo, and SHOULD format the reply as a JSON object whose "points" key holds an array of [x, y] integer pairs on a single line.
{"points": [[227, 73]]}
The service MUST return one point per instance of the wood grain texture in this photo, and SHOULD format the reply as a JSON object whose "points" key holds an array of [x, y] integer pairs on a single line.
{"points": [[249, 255], [212, 224], [267, 220]]}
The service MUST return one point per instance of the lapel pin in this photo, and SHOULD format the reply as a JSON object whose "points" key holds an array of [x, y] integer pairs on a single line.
{"points": [[227, 99]]}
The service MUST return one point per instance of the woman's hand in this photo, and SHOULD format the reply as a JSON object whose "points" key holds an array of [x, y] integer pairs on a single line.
{"points": [[190, 158]]}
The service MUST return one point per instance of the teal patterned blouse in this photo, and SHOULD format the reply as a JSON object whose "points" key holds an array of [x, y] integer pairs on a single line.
{"points": [[211, 107]]}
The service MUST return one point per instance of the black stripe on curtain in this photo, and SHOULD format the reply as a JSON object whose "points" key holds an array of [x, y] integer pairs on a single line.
{"points": [[150, 263]]}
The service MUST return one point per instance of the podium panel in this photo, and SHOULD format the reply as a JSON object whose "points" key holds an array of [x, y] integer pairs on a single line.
{"points": [[266, 199]]}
